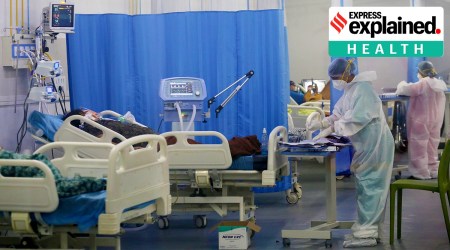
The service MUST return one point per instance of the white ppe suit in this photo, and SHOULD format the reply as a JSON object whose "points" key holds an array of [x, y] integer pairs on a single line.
{"points": [[424, 121], [358, 115]]}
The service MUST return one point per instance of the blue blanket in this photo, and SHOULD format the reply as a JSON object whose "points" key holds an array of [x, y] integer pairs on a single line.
{"points": [[49, 124], [82, 210]]}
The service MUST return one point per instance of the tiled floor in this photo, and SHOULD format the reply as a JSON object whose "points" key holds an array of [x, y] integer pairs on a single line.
{"points": [[423, 223]]}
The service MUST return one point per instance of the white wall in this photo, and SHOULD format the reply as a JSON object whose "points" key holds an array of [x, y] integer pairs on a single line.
{"points": [[442, 64], [307, 25]]}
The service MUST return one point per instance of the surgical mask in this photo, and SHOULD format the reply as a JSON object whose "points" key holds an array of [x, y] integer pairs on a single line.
{"points": [[419, 76], [339, 84]]}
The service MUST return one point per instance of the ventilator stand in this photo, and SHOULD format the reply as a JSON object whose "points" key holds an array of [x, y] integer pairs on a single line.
{"points": [[213, 99]]}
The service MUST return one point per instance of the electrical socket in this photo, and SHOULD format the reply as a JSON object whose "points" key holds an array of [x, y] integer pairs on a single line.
{"points": [[11, 50], [62, 81]]}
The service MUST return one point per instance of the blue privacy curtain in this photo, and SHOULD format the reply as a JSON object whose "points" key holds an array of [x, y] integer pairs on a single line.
{"points": [[117, 62]]}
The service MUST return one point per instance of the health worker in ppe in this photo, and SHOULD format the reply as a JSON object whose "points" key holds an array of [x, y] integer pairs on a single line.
{"points": [[358, 115], [424, 120]]}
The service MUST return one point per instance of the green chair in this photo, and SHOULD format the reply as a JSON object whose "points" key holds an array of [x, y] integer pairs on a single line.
{"points": [[440, 186]]}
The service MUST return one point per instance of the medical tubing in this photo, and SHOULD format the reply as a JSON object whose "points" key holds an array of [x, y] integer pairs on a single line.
{"points": [[28, 16], [29, 57], [194, 112], [24, 126], [17, 82], [179, 115], [64, 111]]}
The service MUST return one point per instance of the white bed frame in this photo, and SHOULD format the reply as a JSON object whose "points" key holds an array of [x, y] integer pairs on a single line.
{"points": [[192, 166], [195, 167], [300, 118], [133, 177]]}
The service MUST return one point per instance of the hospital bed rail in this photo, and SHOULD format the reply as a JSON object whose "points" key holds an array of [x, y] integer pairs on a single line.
{"points": [[192, 166], [133, 178], [202, 181]]}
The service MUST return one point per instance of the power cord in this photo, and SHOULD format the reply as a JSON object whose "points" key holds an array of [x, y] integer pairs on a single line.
{"points": [[24, 126], [63, 109], [160, 123]]}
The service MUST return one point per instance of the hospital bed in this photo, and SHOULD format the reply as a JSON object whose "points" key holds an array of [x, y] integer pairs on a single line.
{"points": [[200, 173], [322, 104], [300, 114], [137, 187], [70, 133], [204, 181]]}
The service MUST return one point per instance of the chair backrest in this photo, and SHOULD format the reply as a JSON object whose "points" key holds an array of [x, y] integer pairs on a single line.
{"points": [[444, 165]]}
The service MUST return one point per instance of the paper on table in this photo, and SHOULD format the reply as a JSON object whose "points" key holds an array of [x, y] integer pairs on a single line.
{"points": [[313, 143]]}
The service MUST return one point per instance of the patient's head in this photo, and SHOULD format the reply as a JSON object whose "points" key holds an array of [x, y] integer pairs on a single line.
{"points": [[83, 112], [90, 114]]}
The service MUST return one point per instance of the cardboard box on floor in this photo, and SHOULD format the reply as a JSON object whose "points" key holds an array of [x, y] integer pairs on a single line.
{"points": [[235, 234]]}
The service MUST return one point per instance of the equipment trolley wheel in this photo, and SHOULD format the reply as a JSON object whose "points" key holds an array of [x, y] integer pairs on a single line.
{"points": [[292, 198], [328, 244], [286, 242], [298, 190], [163, 222], [200, 221], [28, 242]]}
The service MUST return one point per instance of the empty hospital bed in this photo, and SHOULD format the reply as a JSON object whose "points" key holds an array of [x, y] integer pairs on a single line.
{"points": [[32, 213]]}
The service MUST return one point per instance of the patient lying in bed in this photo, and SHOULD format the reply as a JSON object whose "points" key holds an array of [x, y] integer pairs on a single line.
{"points": [[239, 146], [124, 128], [66, 187]]}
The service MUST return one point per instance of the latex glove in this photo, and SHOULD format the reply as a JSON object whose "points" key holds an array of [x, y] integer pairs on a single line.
{"points": [[324, 133], [401, 85], [316, 124]]}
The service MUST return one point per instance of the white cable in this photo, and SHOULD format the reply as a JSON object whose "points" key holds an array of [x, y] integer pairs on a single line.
{"points": [[194, 111], [29, 57], [179, 115]]}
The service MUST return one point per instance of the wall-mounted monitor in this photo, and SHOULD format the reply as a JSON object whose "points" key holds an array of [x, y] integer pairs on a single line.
{"points": [[59, 18]]}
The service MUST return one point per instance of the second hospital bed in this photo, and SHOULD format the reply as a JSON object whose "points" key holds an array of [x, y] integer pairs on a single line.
{"points": [[137, 186], [201, 177]]}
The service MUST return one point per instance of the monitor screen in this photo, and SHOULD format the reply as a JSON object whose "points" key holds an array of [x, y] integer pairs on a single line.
{"points": [[180, 88], [309, 82], [62, 15]]}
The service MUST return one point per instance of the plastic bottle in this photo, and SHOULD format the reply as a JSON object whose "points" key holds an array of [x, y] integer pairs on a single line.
{"points": [[264, 141]]}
